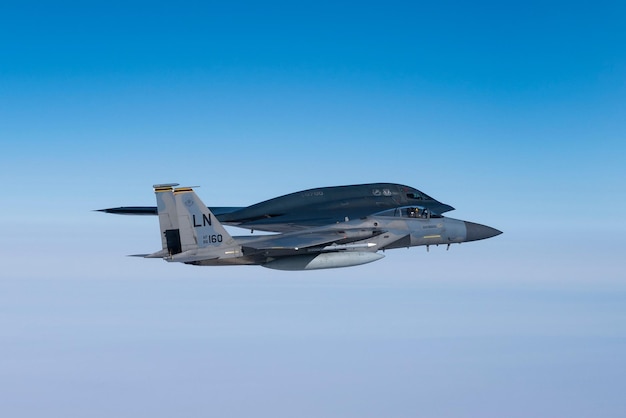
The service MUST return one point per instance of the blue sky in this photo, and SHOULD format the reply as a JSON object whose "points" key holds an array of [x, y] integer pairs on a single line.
{"points": [[512, 113]]}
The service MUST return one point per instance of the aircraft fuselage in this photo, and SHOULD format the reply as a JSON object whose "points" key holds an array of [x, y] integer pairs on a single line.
{"points": [[313, 207]]}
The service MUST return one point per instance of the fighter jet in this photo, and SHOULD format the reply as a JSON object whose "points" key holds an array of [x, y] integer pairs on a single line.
{"points": [[192, 234], [313, 207]]}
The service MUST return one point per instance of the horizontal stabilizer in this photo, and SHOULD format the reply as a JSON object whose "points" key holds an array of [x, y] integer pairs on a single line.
{"points": [[158, 254]]}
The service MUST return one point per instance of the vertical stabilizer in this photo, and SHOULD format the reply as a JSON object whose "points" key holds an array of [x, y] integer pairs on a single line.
{"points": [[200, 231], [168, 218]]}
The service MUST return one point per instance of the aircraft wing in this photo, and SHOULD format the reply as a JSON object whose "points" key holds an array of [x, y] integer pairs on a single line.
{"points": [[292, 242], [322, 239], [152, 210], [313, 208], [281, 244]]}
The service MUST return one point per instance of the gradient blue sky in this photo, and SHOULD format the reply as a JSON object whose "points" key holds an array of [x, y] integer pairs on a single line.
{"points": [[513, 113]]}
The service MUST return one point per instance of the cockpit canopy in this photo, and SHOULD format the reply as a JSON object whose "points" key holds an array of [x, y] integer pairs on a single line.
{"points": [[417, 195], [415, 212]]}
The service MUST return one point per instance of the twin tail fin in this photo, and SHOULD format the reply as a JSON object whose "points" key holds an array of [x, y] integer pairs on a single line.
{"points": [[189, 231]]}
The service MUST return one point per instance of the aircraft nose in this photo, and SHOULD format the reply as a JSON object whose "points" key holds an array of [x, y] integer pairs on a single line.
{"points": [[478, 231], [443, 208]]}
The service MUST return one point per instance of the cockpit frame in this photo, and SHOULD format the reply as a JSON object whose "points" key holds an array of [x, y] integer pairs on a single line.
{"points": [[410, 212]]}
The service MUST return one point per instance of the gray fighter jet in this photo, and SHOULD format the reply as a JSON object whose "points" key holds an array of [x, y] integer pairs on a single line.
{"points": [[313, 207], [191, 234]]}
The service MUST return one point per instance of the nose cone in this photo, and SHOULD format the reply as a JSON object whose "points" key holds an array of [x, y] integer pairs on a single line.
{"points": [[443, 208], [478, 231]]}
